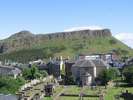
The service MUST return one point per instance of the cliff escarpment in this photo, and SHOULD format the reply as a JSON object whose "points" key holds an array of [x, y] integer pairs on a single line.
{"points": [[26, 40]]}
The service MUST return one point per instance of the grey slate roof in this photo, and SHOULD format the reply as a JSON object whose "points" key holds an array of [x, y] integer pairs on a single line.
{"points": [[99, 63], [9, 70], [8, 67], [89, 63], [83, 63], [16, 71]]}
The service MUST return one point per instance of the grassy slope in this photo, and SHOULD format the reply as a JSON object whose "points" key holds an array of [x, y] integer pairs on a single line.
{"points": [[92, 45], [68, 47]]}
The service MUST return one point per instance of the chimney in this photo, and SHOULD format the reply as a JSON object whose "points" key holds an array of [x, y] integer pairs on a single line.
{"points": [[50, 58], [61, 58]]}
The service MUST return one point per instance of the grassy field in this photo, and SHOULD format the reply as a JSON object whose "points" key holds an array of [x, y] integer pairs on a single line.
{"points": [[110, 92]]}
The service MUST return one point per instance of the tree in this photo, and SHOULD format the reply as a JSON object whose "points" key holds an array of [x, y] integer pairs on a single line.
{"points": [[114, 73], [10, 85], [31, 73], [124, 53], [128, 74], [26, 73], [34, 72], [69, 80], [108, 74]]}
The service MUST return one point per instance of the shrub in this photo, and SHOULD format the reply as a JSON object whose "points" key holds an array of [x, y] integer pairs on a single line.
{"points": [[31, 73], [108, 74], [77, 46], [10, 85], [112, 41], [128, 74]]}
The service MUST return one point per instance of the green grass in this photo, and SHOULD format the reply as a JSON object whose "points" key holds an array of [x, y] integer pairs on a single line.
{"points": [[77, 98], [47, 98], [110, 92], [69, 98], [72, 90]]}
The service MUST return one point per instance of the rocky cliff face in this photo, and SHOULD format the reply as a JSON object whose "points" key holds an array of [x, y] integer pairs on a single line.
{"points": [[25, 39], [81, 33]]}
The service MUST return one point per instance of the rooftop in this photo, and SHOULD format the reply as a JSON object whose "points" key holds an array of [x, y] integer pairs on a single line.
{"points": [[89, 63]]}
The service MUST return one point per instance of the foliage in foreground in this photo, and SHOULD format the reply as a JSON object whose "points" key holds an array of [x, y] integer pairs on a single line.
{"points": [[108, 74], [128, 74], [33, 73], [9, 85]]}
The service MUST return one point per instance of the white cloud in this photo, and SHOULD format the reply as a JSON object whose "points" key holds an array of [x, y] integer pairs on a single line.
{"points": [[84, 28], [126, 38]]}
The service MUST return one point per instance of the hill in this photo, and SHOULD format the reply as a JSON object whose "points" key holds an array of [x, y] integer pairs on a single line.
{"points": [[24, 46]]}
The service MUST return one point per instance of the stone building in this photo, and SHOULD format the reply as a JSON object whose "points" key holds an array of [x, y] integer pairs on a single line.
{"points": [[107, 57], [85, 71], [9, 71], [54, 69], [68, 66]]}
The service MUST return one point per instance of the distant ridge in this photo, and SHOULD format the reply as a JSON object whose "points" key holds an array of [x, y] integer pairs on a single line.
{"points": [[65, 34], [25, 46], [22, 34], [26, 39]]}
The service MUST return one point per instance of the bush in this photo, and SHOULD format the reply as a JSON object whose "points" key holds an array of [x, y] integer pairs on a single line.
{"points": [[128, 74], [10, 85], [77, 46], [112, 41], [69, 80], [108, 74], [31, 73]]}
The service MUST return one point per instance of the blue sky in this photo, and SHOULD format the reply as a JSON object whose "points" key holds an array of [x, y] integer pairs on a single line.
{"points": [[44, 16]]}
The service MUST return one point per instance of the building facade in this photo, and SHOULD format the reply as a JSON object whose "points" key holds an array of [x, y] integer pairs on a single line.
{"points": [[9, 71], [85, 71]]}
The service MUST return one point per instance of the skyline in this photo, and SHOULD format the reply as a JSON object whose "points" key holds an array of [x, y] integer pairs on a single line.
{"points": [[49, 16]]}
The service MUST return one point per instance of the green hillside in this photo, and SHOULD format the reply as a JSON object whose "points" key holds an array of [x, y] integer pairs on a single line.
{"points": [[68, 47]]}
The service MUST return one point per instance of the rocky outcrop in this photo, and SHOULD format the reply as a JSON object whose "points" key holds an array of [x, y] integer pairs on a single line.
{"points": [[81, 33], [26, 39], [22, 34]]}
